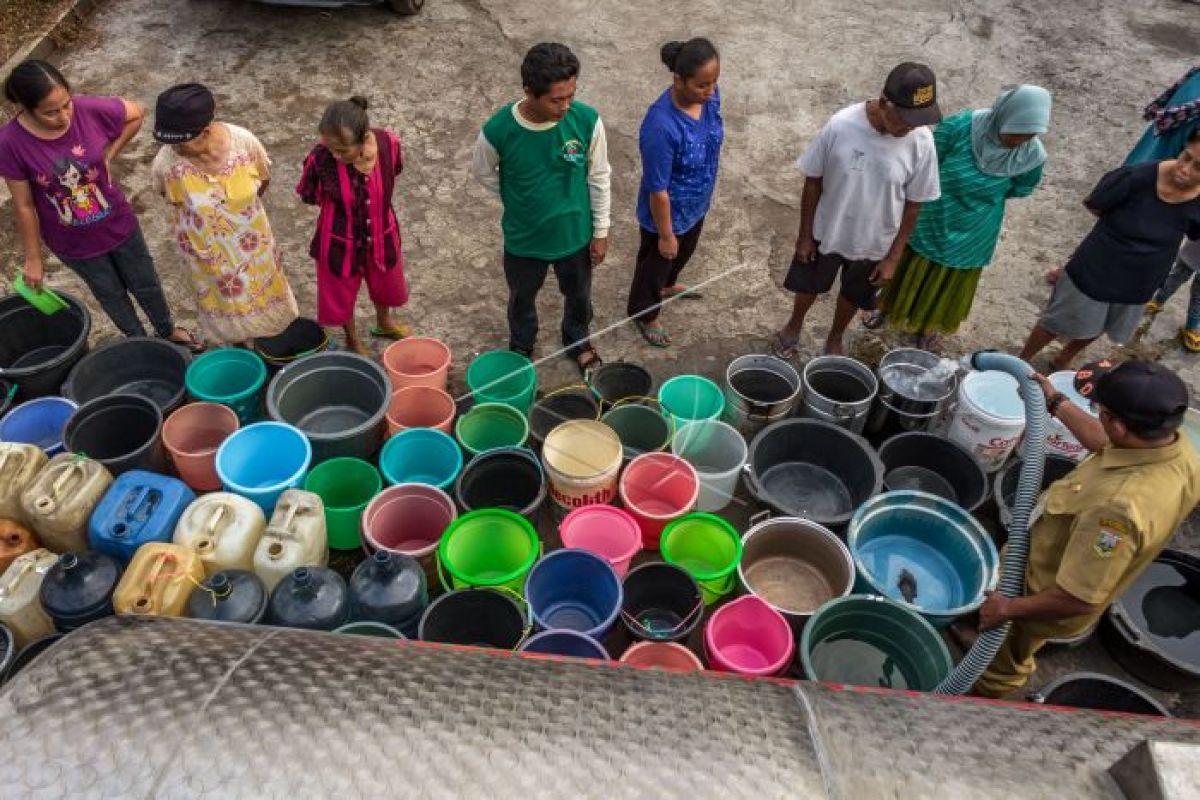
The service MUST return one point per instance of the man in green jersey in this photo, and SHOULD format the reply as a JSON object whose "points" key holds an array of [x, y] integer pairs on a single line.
{"points": [[547, 158]]}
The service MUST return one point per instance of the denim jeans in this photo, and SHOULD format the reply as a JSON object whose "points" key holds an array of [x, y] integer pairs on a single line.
{"points": [[525, 277], [126, 270], [1180, 274]]}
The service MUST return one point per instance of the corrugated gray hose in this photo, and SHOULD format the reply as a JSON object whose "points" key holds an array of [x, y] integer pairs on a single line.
{"points": [[1012, 576]]}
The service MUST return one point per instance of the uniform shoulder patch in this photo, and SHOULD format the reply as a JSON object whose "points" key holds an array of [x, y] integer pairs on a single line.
{"points": [[1107, 540]]}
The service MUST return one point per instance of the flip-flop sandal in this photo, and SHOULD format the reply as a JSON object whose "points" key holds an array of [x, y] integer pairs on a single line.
{"points": [[873, 320], [680, 289], [654, 335], [397, 332], [1191, 339], [193, 345], [785, 347], [587, 366]]}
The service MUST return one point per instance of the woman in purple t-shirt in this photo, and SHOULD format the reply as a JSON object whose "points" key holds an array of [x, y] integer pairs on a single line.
{"points": [[54, 157]]}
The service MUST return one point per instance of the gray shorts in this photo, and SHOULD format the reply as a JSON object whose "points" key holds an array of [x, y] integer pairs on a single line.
{"points": [[1073, 315]]}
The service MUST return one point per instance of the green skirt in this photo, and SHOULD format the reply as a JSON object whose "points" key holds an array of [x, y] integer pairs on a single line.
{"points": [[924, 297]]}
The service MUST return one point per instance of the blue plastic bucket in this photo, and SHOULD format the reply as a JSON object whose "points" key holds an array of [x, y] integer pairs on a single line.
{"points": [[572, 589], [923, 552], [421, 455], [262, 460], [565, 643], [38, 422]]}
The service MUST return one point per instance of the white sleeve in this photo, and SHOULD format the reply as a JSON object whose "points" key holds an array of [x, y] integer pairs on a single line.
{"points": [[600, 182], [812, 160], [924, 185], [485, 164], [158, 171]]}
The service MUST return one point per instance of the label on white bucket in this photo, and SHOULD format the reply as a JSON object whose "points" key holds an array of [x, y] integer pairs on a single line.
{"points": [[990, 417], [1059, 439]]}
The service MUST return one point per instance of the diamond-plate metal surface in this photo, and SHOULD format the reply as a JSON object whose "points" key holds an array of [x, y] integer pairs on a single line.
{"points": [[882, 744], [181, 709], [160, 708]]}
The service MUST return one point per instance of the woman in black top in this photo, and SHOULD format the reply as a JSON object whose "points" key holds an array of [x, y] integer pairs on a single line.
{"points": [[1145, 211]]}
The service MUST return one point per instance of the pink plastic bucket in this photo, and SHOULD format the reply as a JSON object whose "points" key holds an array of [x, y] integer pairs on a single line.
{"points": [[606, 531], [192, 435], [670, 656], [409, 518], [748, 637], [420, 407], [417, 361], [657, 488]]}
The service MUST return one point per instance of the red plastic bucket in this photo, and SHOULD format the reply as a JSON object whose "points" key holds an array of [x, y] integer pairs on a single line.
{"points": [[748, 637], [417, 361], [657, 488], [192, 435], [670, 656], [607, 531], [409, 518], [420, 407]]}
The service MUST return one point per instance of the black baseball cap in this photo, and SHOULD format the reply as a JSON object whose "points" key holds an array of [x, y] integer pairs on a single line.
{"points": [[912, 89], [183, 112], [1144, 394]]}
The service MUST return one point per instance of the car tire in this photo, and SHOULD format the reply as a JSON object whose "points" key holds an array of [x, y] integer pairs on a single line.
{"points": [[406, 7]]}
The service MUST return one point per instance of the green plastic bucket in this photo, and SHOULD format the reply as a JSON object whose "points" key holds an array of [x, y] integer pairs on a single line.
{"points": [[502, 376], [230, 376], [489, 426], [345, 486], [873, 641], [690, 397], [707, 548], [491, 547]]}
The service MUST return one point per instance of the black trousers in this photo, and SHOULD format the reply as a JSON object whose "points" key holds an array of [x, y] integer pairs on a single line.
{"points": [[654, 273], [525, 277]]}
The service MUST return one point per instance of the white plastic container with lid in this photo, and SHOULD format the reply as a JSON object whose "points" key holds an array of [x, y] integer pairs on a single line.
{"points": [[20, 608], [294, 538], [1059, 439], [990, 417], [222, 529], [61, 499], [19, 465]]}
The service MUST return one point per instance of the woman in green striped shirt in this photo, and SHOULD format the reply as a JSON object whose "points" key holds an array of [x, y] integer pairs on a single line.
{"points": [[984, 158]]}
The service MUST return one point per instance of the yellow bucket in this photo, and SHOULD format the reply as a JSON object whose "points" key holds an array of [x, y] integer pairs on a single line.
{"points": [[582, 458]]}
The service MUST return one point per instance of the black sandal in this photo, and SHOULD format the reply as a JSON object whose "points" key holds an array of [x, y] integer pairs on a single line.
{"points": [[588, 361], [193, 345]]}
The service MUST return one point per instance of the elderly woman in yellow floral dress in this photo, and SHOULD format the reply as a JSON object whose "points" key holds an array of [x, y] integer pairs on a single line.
{"points": [[213, 175]]}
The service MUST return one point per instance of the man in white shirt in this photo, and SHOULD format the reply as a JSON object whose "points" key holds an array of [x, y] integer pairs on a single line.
{"points": [[866, 175]]}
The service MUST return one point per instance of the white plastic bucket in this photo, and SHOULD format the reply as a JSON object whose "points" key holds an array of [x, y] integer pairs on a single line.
{"points": [[717, 452], [1059, 439], [582, 458], [990, 417]]}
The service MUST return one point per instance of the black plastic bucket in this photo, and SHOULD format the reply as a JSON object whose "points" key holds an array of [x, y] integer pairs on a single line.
{"points": [[150, 367], [1005, 490], [303, 337], [620, 380], [1101, 692], [38, 350], [477, 617], [30, 652], [121, 431], [337, 399], [952, 466], [1151, 629], [813, 469], [558, 407], [662, 603], [8, 649], [509, 477]]}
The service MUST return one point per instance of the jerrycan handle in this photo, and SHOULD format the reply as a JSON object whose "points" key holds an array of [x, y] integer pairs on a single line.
{"points": [[27, 566], [18, 456], [47, 503], [153, 589]]}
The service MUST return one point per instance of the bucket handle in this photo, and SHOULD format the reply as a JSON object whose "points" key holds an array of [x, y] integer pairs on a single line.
{"points": [[761, 516], [571, 388], [636, 624]]}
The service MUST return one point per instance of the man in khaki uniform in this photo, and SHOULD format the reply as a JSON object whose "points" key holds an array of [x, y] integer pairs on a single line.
{"points": [[1097, 528]]}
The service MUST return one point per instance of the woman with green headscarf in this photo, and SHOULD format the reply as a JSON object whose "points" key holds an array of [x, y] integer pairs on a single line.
{"points": [[984, 158]]}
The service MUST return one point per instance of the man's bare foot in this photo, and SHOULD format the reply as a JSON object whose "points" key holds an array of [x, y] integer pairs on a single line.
{"points": [[834, 347]]}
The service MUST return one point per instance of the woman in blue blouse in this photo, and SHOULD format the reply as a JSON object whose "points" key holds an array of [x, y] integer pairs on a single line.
{"points": [[680, 141]]}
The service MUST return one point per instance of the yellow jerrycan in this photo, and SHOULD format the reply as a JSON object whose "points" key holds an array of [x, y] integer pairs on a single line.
{"points": [[20, 608], [19, 465], [61, 499], [222, 529], [158, 581], [295, 537]]}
